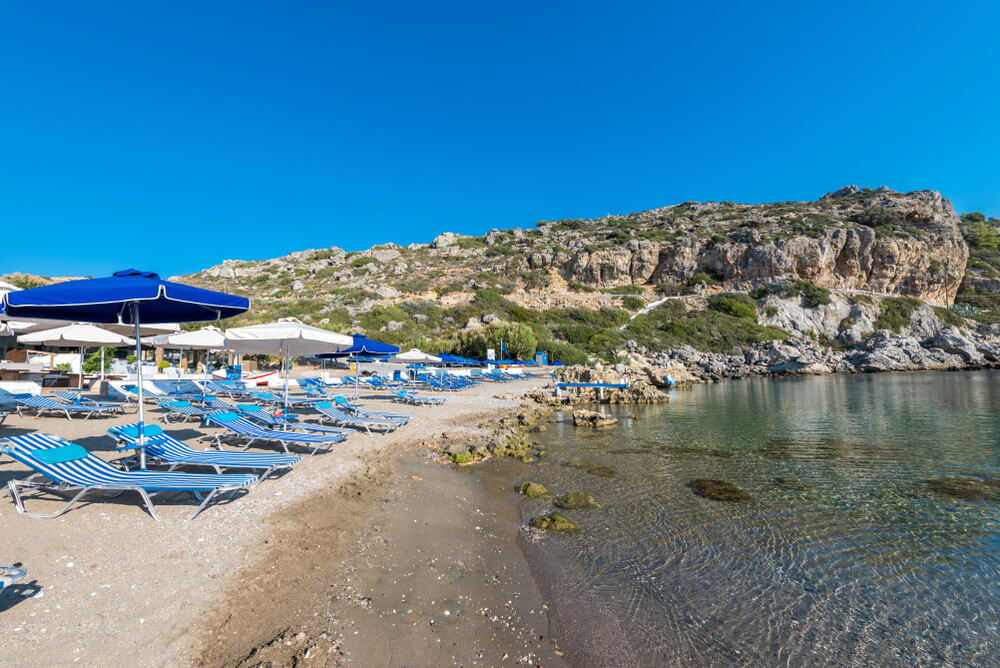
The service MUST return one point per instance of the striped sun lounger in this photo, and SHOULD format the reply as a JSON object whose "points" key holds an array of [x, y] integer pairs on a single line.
{"points": [[63, 468], [39, 405], [182, 411], [164, 448], [242, 429], [339, 417], [78, 399], [258, 414], [414, 399], [355, 410]]}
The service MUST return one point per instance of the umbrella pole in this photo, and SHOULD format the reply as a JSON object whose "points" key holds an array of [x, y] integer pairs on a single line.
{"points": [[102, 364], [138, 377], [79, 378], [357, 372], [288, 350]]}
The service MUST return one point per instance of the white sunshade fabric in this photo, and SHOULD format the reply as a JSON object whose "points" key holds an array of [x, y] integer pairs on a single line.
{"points": [[287, 337], [206, 338], [26, 326], [79, 335], [414, 356]]}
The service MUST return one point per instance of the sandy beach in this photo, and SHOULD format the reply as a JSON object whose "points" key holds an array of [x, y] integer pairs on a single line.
{"points": [[373, 554]]}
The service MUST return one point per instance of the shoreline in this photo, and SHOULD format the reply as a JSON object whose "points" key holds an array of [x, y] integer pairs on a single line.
{"points": [[114, 587]]}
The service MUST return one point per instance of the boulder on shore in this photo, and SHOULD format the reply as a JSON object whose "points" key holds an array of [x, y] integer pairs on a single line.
{"points": [[555, 521], [585, 418]]}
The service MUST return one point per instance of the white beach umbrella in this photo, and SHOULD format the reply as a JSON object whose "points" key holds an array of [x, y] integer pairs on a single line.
{"points": [[27, 326], [414, 356], [206, 338], [286, 337], [80, 336]]}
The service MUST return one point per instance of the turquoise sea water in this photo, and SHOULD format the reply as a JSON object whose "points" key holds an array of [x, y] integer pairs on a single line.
{"points": [[852, 550]]}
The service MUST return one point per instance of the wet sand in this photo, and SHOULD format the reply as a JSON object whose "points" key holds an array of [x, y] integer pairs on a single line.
{"points": [[107, 585]]}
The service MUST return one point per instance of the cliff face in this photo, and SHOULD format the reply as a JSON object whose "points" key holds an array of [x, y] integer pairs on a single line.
{"points": [[914, 249], [888, 242]]}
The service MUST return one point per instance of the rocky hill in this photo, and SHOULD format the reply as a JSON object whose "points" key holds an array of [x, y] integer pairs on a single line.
{"points": [[713, 277], [907, 244]]}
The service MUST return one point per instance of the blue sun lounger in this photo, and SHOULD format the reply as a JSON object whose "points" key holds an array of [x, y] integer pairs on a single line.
{"points": [[182, 411], [242, 429], [339, 417], [77, 399], [10, 574], [355, 411], [412, 398], [40, 405], [258, 414], [70, 468], [164, 448]]}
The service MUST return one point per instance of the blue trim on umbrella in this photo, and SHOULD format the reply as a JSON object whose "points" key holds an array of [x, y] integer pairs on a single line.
{"points": [[114, 299]]}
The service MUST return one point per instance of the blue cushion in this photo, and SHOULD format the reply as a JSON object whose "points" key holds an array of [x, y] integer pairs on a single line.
{"points": [[132, 430], [225, 417], [324, 404], [179, 404], [64, 453], [248, 407]]}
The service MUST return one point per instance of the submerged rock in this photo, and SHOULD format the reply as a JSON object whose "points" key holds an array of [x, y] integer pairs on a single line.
{"points": [[555, 521], [533, 490], [592, 468], [719, 490], [585, 418], [970, 489], [577, 501]]}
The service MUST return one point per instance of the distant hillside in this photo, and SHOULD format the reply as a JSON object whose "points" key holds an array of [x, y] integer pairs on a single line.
{"points": [[570, 285]]}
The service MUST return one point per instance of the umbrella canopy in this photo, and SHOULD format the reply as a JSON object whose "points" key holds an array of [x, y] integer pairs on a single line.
{"points": [[206, 338], [363, 346], [76, 336], [414, 355], [289, 337], [126, 297]]}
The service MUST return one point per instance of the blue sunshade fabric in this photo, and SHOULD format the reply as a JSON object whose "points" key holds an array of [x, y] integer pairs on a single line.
{"points": [[110, 300], [363, 346]]}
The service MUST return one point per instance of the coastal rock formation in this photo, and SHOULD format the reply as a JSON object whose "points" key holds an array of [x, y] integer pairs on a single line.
{"points": [[555, 521], [719, 490], [533, 490], [576, 501], [585, 418], [642, 388]]}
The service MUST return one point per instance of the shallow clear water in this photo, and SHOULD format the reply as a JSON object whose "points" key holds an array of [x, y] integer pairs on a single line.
{"points": [[847, 553]]}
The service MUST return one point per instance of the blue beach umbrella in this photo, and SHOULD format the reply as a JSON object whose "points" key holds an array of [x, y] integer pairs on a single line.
{"points": [[362, 349], [128, 297]]}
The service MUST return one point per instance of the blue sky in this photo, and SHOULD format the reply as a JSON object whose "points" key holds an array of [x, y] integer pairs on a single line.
{"points": [[171, 136]]}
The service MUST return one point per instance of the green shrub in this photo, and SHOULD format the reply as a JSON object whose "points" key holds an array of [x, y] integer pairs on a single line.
{"points": [[772, 311], [632, 303], [700, 277], [566, 353], [93, 362], [708, 330], [470, 243], [359, 262], [974, 217], [878, 216], [812, 295], [736, 305], [626, 290], [856, 299], [979, 234], [895, 312], [948, 316]]}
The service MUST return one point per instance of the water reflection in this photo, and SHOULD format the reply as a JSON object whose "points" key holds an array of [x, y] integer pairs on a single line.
{"points": [[870, 535]]}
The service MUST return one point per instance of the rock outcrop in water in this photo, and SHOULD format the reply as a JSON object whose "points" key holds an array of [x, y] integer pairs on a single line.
{"points": [[719, 490], [555, 521]]}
